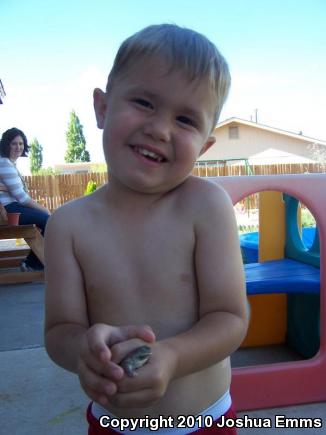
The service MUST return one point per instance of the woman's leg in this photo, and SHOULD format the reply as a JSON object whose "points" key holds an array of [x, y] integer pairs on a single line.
{"points": [[29, 215]]}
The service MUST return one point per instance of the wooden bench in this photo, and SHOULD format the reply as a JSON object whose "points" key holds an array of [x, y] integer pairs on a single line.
{"points": [[10, 259]]}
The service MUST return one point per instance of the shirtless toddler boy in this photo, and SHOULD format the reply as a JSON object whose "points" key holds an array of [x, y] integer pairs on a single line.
{"points": [[153, 256]]}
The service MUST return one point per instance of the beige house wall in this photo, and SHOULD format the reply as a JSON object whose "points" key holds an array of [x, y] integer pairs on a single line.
{"points": [[73, 168], [253, 141]]}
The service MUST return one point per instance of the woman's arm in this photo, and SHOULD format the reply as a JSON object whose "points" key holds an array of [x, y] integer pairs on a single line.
{"points": [[34, 204], [12, 183]]}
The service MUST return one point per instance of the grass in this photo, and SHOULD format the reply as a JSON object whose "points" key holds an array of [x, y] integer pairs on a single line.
{"points": [[247, 228]]}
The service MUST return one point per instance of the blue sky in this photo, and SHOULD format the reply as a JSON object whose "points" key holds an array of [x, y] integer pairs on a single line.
{"points": [[54, 52]]}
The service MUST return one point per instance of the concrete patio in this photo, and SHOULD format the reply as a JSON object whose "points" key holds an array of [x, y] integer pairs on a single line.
{"points": [[37, 397]]}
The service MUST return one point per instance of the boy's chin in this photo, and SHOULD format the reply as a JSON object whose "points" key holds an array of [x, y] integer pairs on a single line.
{"points": [[141, 190], [157, 190], [153, 190], [145, 187]]}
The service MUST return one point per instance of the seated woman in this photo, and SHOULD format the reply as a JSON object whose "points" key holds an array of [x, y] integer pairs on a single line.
{"points": [[13, 192]]}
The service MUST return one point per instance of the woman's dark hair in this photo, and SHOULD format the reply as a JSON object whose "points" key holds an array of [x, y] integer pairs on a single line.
{"points": [[7, 137]]}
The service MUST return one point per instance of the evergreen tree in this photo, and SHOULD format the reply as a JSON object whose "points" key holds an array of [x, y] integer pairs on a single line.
{"points": [[35, 156], [76, 150]]}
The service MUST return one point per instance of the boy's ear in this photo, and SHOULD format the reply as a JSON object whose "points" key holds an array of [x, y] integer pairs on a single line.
{"points": [[210, 141], [100, 104]]}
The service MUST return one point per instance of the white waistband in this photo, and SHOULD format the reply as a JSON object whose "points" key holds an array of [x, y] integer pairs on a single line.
{"points": [[146, 425]]}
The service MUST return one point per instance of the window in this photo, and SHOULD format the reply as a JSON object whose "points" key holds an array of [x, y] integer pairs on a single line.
{"points": [[234, 132]]}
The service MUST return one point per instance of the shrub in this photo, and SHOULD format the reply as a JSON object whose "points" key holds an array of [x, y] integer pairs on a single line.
{"points": [[90, 188]]}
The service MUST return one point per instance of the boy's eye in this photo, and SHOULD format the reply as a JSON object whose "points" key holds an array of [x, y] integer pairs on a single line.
{"points": [[186, 120], [143, 102]]}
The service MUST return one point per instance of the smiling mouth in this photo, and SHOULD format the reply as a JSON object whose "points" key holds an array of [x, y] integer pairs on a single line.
{"points": [[150, 155]]}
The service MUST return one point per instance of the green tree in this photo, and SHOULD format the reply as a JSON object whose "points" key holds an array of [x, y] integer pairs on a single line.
{"points": [[76, 150], [35, 156], [46, 171]]}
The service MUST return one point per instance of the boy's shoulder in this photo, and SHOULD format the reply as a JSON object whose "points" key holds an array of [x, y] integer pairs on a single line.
{"points": [[77, 208], [205, 201], [203, 191]]}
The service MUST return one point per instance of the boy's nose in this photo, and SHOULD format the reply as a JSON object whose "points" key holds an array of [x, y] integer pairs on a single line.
{"points": [[158, 128]]}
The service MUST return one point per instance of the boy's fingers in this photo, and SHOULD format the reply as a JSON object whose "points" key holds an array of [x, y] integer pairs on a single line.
{"points": [[93, 357], [97, 342], [101, 337], [112, 371], [104, 353], [96, 353], [145, 378], [123, 348], [109, 369], [145, 389], [91, 381], [143, 332]]}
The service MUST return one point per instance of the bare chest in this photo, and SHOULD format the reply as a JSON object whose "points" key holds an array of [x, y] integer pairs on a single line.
{"points": [[141, 274]]}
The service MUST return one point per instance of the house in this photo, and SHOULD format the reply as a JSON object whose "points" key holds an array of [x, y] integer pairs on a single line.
{"points": [[79, 168], [239, 141], [73, 168]]}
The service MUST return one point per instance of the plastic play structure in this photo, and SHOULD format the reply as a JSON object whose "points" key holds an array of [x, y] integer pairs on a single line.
{"points": [[250, 241], [295, 274]]}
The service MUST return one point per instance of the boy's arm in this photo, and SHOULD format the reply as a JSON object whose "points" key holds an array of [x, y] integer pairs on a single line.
{"points": [[69, 339], [66, 319], [223, 313]]}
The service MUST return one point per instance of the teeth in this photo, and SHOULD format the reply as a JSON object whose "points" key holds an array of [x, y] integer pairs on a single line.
{"points": [[150, 154]]}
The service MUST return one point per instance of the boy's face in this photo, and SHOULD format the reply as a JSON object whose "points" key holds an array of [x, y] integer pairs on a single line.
{"points": [[156, 124]]}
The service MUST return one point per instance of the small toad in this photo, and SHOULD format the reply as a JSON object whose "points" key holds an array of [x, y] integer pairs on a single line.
{"points": [[136, 359]]}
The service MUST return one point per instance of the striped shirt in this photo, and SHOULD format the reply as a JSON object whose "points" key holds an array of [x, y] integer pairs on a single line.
{"points": [[15, 185]]}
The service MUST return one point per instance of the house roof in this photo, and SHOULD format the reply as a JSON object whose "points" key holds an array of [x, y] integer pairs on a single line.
{"points": [[271, 156], [235, 120]]}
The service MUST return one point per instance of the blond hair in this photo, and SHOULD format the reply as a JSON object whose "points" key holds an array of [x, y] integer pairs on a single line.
{"points": [[184, 49]]}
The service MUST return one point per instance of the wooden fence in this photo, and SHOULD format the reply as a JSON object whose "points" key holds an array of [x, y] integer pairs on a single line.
{"points": [[54, 190], [232, 170]]}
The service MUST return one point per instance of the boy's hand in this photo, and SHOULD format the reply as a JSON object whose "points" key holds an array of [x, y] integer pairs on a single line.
{"points": [[98, 374], [150, 381]]}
